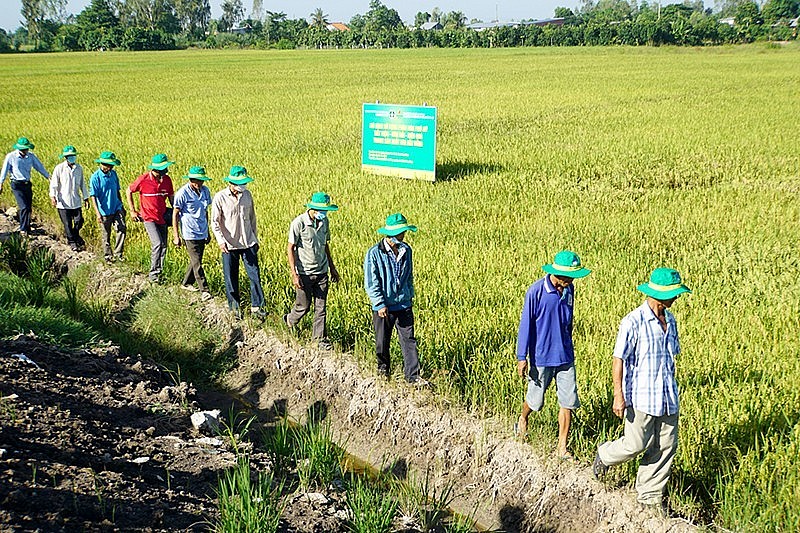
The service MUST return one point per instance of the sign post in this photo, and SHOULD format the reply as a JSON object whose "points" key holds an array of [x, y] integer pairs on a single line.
{"points": [[399, 140]]}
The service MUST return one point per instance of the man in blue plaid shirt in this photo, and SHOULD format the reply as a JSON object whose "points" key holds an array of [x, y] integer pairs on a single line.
{"points": [[645, 390]]}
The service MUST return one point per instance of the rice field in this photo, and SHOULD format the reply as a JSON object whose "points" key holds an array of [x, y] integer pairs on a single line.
{"points": [[633, 158]]}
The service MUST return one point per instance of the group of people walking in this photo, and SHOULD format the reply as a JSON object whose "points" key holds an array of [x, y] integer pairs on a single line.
{"points": [[388, 267], [643, 370]]}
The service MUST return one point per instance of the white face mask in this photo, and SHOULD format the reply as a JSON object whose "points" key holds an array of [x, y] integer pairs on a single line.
{"points": [[240, 188], [321, 215]]}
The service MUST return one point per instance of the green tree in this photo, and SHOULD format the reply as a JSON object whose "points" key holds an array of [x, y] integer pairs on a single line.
{"points": [[380, 17], [319, 19], [193, 16], [775, 10], [421, 18], [748, 20], [453, 20], [232, 12], [563, 12]]}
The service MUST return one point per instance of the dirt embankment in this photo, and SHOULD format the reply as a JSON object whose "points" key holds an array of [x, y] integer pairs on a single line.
{"points": [[384, 423]]}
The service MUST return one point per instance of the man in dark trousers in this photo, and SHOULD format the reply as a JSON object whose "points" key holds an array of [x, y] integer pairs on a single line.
{"points": [[389, 282]]}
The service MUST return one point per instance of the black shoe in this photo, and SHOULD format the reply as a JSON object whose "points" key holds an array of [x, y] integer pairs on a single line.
{"points": [[383, 371], [599, 469], [258, 312], [286, 321], [325, 345]]}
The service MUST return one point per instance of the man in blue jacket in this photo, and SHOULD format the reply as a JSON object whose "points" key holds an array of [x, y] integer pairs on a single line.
{"points": [[389, 282], [544, 343]]}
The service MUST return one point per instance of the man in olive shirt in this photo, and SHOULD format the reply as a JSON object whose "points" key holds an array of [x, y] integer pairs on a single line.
{"points": [[310, 260]]}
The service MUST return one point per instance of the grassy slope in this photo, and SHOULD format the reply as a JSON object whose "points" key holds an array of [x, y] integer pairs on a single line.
{"points": [[634, 158]]}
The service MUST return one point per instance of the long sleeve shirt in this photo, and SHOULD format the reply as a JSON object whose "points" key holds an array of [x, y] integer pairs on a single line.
{"points": [[233, 219], [20, 167], [389, 280], [648, 356], [67, 186], [545, 327]]}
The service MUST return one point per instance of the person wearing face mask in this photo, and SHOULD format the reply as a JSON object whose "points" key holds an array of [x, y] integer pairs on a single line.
{"points": [[154, 188], [233, 222], [645, 389], [310, 261], [191, 209], [545, 351], [104, 191], [68, 195], [18, 165], [389, 282]]}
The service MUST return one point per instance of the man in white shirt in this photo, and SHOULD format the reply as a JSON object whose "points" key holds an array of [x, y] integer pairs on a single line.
{"points": [[68, 194]]}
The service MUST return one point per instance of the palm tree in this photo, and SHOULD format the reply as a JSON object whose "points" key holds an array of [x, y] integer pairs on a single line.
{"points": [[318, 18]]}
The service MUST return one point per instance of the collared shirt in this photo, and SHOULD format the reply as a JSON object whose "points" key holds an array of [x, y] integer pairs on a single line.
{"points": [[389, 280], [545, 327], [153, 196], [105, 189], [20, 167], [309, 238], [648, 356], [233, 219], [193, 207], [67, 186]]}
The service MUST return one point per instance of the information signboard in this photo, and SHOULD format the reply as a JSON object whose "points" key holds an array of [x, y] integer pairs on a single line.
{"points": [[399, 140]]}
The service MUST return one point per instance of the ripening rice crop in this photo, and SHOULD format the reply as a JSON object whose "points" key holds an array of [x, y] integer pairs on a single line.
{"points": [[633, 158]]}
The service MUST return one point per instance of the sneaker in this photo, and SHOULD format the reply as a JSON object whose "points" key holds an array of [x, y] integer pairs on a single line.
{"points": [[109, 259], [237, 313], [383, 372], [286, 321], [599, 469], [325, 345], [420, 383], [206, 296], [258, 312], [190, 288]]}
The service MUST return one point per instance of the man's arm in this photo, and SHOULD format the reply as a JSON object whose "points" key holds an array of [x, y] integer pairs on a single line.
{"points": [[331, 266], [54, 186], [5, 170], [372, 284], [40, 167], [216, 222], [176, 213], [131, 206], [290, 257], [526, 335], [619, 397]]}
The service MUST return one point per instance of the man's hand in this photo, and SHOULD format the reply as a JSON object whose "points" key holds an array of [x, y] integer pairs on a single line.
{"points": [[177, 241], [334, 274], [99, 218], [383, 312], [53, 201], [296, 281], [619, 405], [223, 248], [86, 203], [136, 217], [522, 368]]}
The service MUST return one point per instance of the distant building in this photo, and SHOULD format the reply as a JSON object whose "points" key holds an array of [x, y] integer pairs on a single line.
{"points": [[431, 26], [337, 26], [730, 21], [243, 30], [481, 26]]}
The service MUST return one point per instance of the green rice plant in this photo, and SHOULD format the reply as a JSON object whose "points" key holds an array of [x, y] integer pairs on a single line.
{"points": [[422, 499], [72, 303], [372, 508], [279, 442], [234, 430], [249, 502], [39, 276], [14, 255], [318, 457]]}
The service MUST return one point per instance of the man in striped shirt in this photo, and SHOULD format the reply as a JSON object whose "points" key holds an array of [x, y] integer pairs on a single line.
{"points": [[645, 390]]}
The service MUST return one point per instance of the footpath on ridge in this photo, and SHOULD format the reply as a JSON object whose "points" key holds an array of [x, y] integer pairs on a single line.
{"points": [[503, 482]]}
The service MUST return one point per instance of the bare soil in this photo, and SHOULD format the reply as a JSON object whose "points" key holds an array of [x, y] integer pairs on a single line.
{"points": [[100, 440]]}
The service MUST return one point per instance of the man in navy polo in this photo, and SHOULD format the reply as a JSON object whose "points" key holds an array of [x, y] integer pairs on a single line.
{"points": [[544, 344]]}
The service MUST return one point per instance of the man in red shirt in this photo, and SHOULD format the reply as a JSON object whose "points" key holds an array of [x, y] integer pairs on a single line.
{"points": [[154, 188]]}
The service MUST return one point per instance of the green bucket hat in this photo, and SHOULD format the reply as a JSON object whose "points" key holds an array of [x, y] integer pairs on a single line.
{"points": [[197, 173], [160, 162], [24, 144], [108, 158], [566, 264], [664, 284], [238, 176], [68, 150], [396, 224], [321, 201]]}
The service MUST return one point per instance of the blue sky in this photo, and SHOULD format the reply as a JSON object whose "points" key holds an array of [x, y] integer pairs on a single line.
{"points": [[343, 10]]}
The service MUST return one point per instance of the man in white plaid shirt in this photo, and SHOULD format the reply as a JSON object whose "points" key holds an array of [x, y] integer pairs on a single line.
{"points": [[645, 390]]}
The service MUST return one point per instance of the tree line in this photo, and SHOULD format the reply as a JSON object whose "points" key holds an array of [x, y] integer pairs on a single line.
{"points": [[167, 24]]}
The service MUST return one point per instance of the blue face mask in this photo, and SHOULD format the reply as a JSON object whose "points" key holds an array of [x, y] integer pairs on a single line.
{"points": [[394, 241], [321, 215], [71, 158]]}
